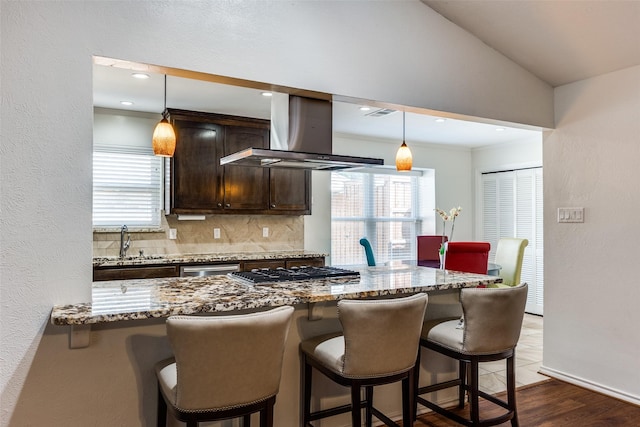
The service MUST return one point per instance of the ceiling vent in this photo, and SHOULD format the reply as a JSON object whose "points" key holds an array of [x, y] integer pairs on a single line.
{"points": [[381, 112]]}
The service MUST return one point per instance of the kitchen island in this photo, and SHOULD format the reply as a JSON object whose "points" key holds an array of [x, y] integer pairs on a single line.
{"points": [[125, 303]]}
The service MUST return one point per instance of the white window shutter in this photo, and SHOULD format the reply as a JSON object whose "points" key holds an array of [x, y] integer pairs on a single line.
{"points": [[126, 188]]}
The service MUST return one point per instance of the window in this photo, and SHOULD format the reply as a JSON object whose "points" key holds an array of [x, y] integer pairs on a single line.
{"points": [[385, 208], [512, 207], [127, 187]]}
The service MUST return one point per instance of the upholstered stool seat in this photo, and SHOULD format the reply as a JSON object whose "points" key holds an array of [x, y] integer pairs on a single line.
{"points": [[224, 367], [378, 345], [490, 332]]}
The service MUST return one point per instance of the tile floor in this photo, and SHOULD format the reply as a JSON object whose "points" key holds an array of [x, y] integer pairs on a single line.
{"points": [[528, 359]]}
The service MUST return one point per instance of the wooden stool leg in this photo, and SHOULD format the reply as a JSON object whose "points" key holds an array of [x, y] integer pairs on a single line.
{"points": [[368, 414], [511, 389], [306, 382], [473, 391], [356, 416], [462, 375], [408, 396], [162, 410], [246, 420], [266, 414]]}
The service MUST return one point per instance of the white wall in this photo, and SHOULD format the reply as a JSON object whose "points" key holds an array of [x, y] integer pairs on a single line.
{"points": [[120, 127], [592, 290], [45, 160]]}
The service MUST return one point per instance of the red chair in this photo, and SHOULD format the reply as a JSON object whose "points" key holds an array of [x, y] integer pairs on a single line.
{"points": [[429, 250], [470, 257]]}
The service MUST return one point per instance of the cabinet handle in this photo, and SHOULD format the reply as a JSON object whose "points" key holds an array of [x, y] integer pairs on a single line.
{"points": [[273, 205], [228, 205], [219, 205]]}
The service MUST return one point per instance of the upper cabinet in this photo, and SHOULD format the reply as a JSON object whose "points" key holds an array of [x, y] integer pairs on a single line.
{"points": [[199, 185]]}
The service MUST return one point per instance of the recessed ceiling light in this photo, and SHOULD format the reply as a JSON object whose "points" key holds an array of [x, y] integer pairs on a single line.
{"points": [[440, 120], [141, 76], [365, 108], [267, 94], [499, 129], [126, 102]]}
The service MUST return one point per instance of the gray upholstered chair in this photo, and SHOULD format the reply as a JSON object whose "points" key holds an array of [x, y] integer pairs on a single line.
{"points": [[224, 367], [491, 329], [379, 345]]}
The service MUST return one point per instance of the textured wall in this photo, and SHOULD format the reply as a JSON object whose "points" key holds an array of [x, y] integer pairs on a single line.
{"points": [[591, 298], [359, 49]]}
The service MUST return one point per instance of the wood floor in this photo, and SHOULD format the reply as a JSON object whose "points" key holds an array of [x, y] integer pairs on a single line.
{"points": [[554, 403]]}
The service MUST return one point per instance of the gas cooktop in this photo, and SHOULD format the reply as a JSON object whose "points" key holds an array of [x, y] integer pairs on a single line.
{"points": [[267, 275]]}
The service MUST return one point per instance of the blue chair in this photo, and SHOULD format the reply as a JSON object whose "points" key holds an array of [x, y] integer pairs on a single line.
{"points": [[371, 260]]}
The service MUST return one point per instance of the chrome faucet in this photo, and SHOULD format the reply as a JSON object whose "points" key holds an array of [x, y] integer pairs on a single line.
{"points": [[124, 245]]}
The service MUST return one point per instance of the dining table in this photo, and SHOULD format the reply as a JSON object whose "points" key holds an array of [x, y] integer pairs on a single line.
{"points": [[493, 269]]}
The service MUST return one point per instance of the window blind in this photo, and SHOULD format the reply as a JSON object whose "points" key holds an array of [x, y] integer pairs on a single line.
{"points": [[127, 188], [382, 207], [512, 207]]}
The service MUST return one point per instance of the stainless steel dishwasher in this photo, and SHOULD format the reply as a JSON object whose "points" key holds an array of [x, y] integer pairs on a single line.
{"points": [[208, 270]]}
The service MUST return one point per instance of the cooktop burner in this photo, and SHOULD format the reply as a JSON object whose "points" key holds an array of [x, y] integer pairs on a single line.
{"points": [[267, 275]]}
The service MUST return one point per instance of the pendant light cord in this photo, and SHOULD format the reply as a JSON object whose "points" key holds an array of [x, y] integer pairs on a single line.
{"points": [[403, 139], [165, 98]]}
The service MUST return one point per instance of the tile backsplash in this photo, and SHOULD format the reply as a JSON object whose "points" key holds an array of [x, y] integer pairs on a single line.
{"points": [[238, 233]]}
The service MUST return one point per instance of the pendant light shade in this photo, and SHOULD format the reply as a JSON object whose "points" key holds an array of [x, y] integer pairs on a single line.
{"points": [[164, 137], [404, 160]]}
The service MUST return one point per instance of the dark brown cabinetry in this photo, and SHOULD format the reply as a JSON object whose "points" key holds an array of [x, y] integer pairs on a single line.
{"points": [[122, 273], [200, 185]]}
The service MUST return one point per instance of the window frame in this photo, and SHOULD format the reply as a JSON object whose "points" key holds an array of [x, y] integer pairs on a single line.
{"points": [[155, 187]]}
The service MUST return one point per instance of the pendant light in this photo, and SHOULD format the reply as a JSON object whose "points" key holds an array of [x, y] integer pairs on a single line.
{"points": [[404, 159], [164, 137]]}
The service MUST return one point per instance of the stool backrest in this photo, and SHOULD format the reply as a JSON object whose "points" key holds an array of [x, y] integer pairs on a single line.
{"points": [[470, 257], [227, 361], [509, 256], [492, 318], [381, 336]]}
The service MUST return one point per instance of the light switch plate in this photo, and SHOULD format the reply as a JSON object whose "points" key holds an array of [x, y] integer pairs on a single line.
{"points": [[265, 231], [173, 233], [216, 233], [570, 214]]}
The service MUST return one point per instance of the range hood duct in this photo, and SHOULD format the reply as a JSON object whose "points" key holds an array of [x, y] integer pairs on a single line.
{"points": [[301, 138]]}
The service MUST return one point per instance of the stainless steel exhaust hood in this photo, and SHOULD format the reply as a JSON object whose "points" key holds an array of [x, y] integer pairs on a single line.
{"points": [[301, 138]]}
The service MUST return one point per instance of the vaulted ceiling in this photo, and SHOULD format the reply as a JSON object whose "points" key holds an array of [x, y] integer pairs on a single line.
{"points": [[560, 41]]}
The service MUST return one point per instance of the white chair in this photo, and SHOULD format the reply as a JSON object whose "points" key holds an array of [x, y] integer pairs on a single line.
{"points": [[224, 367], [509, 256], [379, 345], [490, 332]]}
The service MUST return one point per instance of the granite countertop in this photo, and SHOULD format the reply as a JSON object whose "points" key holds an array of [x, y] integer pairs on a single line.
{"points": [[200, 258], [119, 300]]}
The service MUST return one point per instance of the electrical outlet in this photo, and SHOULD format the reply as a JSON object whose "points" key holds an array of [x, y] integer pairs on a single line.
{"points": [[265, 231], [173, 233], [216, 233]]}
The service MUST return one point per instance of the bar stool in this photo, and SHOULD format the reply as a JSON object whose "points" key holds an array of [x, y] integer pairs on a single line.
{"points": [[491, 329], [223, 367], [379, 345]]}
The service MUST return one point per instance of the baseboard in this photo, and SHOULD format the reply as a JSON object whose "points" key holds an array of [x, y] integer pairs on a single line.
{"points": [[589, 385]]}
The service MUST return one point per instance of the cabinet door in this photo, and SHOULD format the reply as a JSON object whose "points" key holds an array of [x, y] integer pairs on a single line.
{"points": [[134, 273], [272, 264], [245, 188], [197, 181], [305, 262], [290, 190]]}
